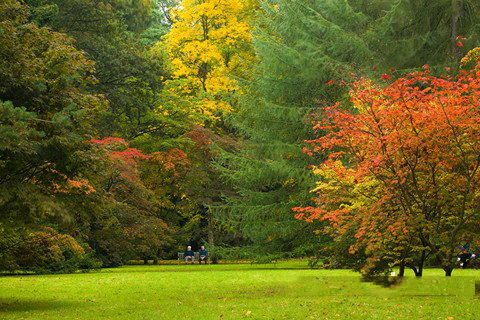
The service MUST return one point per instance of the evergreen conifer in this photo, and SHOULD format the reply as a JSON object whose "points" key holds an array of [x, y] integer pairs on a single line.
{"points": [[301, 46]]}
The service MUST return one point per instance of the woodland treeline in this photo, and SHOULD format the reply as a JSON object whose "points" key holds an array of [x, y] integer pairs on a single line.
{"points": [[345, 130]]}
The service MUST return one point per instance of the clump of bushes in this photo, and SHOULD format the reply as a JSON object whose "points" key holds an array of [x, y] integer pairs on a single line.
{"points": [[49, 251]]}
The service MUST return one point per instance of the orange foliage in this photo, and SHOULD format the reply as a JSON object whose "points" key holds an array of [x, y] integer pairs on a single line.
{"points": [[171, 159], [416, 144]]}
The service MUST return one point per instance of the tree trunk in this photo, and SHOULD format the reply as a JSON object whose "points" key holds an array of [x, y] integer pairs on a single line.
{"points": [[421, 263], [211, 239], [457, 13], [155, 261], [414, 269], [448, 271], [401, 272], [145, 261]]}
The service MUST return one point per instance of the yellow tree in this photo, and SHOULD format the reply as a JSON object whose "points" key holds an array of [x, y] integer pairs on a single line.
{"points": [[208, 45]]}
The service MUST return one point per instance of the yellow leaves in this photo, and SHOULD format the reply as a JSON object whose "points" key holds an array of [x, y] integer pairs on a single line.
{"points": [[338, 186], [472, 58], [289, 182], [82, 185], [209, 43]]}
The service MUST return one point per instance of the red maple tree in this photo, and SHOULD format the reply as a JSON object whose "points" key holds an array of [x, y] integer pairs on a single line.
{"points": [[403, 171]]}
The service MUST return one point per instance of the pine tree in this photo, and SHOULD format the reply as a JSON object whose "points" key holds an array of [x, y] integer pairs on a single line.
{"points": [[306, 49], [302, 46], [411, 33]]}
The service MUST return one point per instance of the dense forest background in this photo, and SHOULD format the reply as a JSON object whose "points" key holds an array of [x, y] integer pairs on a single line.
{"points": [[132, 128]]}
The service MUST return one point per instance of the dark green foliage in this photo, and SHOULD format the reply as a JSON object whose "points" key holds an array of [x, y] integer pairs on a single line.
{"points": [[301, 46], [306, 49], [411, 33], [44, 126], [114, 34], [89, 262], [161, 21], [11, 237]]}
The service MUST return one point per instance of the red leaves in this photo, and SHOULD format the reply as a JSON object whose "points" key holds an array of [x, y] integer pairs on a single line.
{"points": [[415, 141], [377, 160], [201, 137], [386, 77], [124, 160], [129, 153], [115, 146]]}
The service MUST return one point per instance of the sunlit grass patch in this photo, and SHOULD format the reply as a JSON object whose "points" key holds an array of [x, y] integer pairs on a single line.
{"points": [[287, 290]]}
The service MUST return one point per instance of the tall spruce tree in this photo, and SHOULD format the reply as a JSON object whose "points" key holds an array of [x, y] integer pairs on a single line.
{"points": [[410, 33], [301, 46]]}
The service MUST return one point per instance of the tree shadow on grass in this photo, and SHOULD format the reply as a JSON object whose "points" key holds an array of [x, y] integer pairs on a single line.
{"points": [[19, 305]]}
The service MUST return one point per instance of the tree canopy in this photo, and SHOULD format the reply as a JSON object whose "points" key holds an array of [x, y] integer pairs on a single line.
{"points": [[132, 128]]}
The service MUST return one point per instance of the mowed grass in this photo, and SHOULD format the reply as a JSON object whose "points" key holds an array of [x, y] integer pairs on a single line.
{"points": [[287, 290]]}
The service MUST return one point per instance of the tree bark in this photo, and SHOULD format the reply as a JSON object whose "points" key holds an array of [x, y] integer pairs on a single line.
{"points": [[415, 271], [211, 239], [401, 272], [448, 271], [457, 14], [421, 263]]}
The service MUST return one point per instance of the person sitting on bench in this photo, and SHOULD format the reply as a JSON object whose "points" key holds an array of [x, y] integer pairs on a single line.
{"points": [[465, 258], [189, 254], [203, 255]]}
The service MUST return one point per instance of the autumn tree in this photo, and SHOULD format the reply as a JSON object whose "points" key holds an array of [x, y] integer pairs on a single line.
{"points": [[48, 251], [209, 43], [46, 113], [130, 222], [46, 116], [403, 171]]}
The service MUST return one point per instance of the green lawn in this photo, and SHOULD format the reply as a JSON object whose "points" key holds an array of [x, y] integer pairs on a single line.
{"points": [[283, 291]]}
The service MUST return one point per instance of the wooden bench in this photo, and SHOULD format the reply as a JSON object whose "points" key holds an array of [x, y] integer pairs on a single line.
{"points": [[181, 256]]}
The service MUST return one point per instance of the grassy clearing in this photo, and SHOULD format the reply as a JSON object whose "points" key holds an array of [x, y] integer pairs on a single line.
{"points": [[285, 291]]}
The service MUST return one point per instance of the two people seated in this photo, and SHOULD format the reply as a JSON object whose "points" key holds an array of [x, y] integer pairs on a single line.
{"points": [[465, 257], [202, 255]]}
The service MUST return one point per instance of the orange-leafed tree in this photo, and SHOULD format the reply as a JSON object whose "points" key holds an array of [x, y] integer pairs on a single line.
{"points": [[403, 173], [137, 208]]}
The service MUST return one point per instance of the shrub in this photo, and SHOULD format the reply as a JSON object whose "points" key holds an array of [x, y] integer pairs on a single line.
{"points": [[48, 251]]}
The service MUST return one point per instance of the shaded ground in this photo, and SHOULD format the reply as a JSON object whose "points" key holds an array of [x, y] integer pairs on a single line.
{"points": [[286, 291]]}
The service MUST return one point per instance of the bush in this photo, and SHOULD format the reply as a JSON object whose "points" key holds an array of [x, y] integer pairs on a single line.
{"points": [[9, 240], [89, 262], [48, 251]]}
